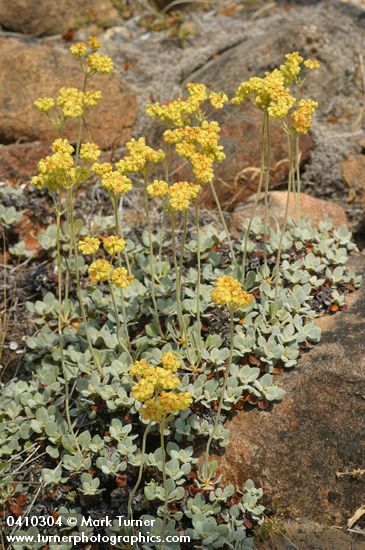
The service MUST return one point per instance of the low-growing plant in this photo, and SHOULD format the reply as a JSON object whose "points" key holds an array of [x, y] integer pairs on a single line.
{"points": [[133, 370]]}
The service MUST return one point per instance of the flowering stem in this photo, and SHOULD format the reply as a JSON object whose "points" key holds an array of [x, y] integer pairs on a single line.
{"points": [[178, 294], [198, 280], [118, 229], [182, 248], [233, 257], [78, 284], [140, 471], [291, 175], [267, 186], [162, 236], [223, 391], [297, 168], [60, 333], [257, 196], [164, 477], [152, 258], [121, 343]]}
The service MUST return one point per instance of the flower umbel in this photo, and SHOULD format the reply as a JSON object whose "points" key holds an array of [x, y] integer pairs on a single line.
{"points": [[100, 270], [228, 291]]}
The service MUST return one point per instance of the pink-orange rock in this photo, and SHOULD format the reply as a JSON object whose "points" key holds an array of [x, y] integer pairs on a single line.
{"points": [[29, 71], [51, 17], [295, 450], [316, 209], [19, 160]]}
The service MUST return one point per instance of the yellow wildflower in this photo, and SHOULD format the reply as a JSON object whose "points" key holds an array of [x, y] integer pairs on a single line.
{"points": [[62, 146], [78, 49], [170, 361], [94, 42], [181, 194], [113, 244], [312, 64], [90, 152], [99, 63], [89, 245], [92, 98], [158, 188], [139, 368], [139, 154], [302, 116], [269, 93], [100, 270], [44, 104], [291, 68], [100, 169], [116, 183], [121, 279], [71, 101], [218, 99], [228, 291], [143, 390], [165, 404]]}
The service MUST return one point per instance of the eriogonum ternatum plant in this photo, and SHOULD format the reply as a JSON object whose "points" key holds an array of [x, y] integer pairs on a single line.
{"points": [[176, 324]]}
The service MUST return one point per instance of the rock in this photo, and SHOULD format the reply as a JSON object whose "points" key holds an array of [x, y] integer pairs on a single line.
{"points": [[31, 70], [295, 450], [316, 209], [49, 17], [353, 170], [309, 535], [19, 160]]}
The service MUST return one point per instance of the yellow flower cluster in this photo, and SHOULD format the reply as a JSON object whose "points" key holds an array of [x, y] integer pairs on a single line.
{"points": [[57, 171], [89, 245], [89, 152], [181, 194], [291, 68], [179, 112], [154, 388], [312, 64], [270, 94], [100, 270], [96, 62], [139, 154], [99, 63], [302, 116], [73, 102], [218, 99], [158, 188], [113, 244], [116, 183], [121, 278], [228, 291], [165, 404], [44, 104], [200, 145], [100, 169]]}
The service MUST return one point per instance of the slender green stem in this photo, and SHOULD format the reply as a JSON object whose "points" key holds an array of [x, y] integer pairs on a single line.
{"points": [[198, 280], [140, 471], [161, 240], [291, 174], [182, 250], [152, 258], [223, 391], [125, 320], [121, 342], [164, 477], [78, 284], [230, 244], [257, 196], [60, 333], [297, 168], [118, 230], [178, 292], [267, 185]]}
